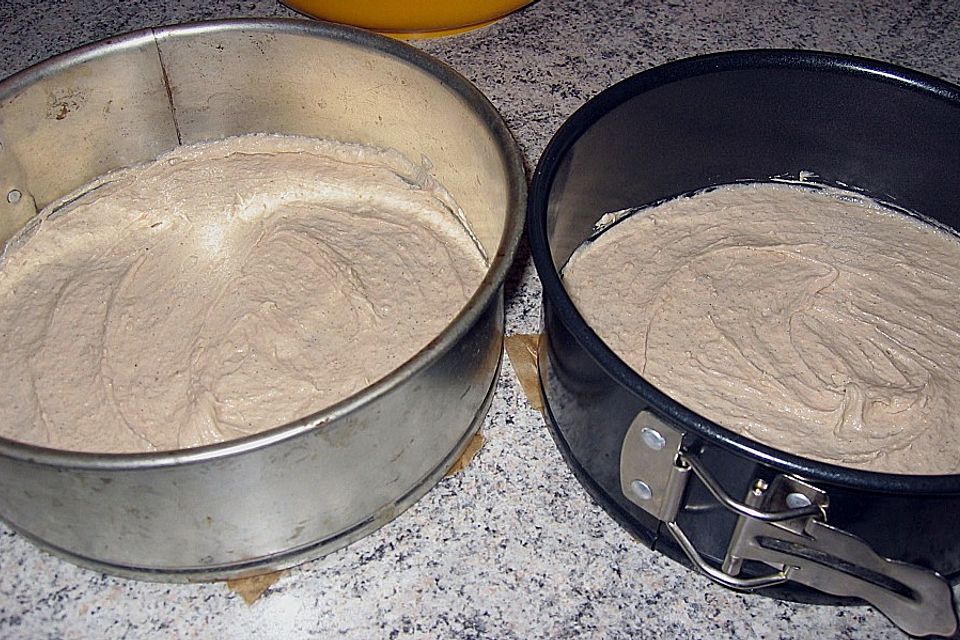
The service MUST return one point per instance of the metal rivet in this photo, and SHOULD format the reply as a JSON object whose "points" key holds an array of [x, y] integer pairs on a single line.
{"points": [[652, 438], [13, 196], [641, 489], [797, 501], [759, 487]]}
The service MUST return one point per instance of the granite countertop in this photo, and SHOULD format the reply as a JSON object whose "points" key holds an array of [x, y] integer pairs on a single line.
{"points": [[512, 547]]}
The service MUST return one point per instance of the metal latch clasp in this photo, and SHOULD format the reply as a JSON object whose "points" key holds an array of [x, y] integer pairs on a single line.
{"points": [[650, 475], [783, 525]]}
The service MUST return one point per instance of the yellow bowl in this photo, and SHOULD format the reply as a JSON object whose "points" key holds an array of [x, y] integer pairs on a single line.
{"points": [[409, 18]]}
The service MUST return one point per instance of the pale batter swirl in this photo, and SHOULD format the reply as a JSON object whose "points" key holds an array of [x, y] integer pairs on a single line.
{"points": [[821, 325], [224, 289]]}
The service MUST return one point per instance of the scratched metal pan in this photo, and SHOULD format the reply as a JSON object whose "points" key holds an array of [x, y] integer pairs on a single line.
{"points": [[750, 516], [303, 489]]}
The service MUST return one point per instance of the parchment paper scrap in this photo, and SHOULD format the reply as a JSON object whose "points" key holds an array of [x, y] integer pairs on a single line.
{"points": [[252, 587], [522, 351], [469, 453]]}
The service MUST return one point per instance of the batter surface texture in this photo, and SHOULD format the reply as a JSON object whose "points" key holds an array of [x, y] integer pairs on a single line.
{"points": [[816, 323], [224, 289]]}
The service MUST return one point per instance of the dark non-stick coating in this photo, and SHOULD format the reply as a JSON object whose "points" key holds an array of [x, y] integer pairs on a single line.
{"points": [[746, 115]]}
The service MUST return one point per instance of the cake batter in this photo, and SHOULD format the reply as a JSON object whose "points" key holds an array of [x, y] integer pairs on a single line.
{"points": [[224, 289], [812, 321]]}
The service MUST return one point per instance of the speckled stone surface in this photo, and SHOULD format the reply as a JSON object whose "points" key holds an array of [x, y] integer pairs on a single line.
{"points": [[512, 547]]}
